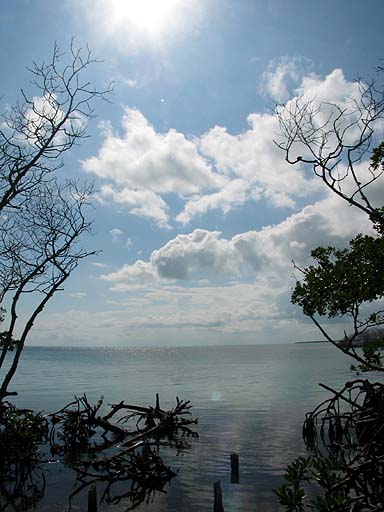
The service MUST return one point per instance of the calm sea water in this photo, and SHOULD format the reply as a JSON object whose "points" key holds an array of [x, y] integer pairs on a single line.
{"points": [[249, 399]]}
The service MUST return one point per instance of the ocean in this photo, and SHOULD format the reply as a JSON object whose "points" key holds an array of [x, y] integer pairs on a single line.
{"points": [[250, 400]]}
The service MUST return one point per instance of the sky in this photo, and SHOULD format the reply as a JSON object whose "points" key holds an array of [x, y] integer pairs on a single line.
{"points": [[197, 216]]}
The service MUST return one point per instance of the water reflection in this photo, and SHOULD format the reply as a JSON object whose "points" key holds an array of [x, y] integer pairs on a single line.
{"points": [[264, 393], [115, 453]]}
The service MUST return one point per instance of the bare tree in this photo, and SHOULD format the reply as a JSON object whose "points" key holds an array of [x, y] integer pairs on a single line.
{"points": [[42, 216], [334, 139], [37, 131]]}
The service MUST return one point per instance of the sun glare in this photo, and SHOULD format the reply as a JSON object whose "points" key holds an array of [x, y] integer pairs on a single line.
{"points": [[148, 16]]}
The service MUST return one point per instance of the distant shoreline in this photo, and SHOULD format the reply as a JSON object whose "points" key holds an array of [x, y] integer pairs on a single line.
{"points": [[317, 341]]}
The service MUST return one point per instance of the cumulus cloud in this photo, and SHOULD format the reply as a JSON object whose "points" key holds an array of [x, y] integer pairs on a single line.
{"points": [[253, 157], [140, 272], [143, 203], [193, 255], [333, 88], [328, 110], [196, 254], [141, 165], [241, 285], [141, 158], [42, 113], [236, 192], [206, 279], [283, 75], [327, 222], [142, 170], [204, 254]]}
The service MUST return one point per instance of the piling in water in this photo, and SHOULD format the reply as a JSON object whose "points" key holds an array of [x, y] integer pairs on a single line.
{"points": [[92, 499], [234, 468], [218, 498]]}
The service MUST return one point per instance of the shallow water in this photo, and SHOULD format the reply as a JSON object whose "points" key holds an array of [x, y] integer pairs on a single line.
{"points": [[249, 399]]}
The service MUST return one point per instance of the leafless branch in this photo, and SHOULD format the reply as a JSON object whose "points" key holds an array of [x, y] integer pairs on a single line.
{"points": [[334, 139], [42, 216]]}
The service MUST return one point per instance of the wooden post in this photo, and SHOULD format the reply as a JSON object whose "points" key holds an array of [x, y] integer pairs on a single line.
{"points": [[157, 406], [92, 499], [234, 468], [218, 498]]}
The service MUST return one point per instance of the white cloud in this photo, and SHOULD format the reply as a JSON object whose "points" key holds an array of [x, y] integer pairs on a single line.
{"points": [[177, 315], [142, 159], [131, 83], [333, 88], [98, 264], [229, 286], [42, 114], [116, 234], [196, 254], [143, 203], [253, 157], [236, 192], [207, 280], [328, 109], [204, 254], [141, 165], [140, 272], [142, 169], [78, 295], [283, 75], [327, 222], [173, 315]]}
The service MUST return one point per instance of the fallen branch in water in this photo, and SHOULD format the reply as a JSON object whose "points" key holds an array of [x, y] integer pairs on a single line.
{"points": [[117, 445]]}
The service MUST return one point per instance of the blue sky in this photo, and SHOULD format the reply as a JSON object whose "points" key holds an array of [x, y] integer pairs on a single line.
{"points": [[197, 215]]}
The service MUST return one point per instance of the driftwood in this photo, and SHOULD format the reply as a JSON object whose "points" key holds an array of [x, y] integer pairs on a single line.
{"points": [[88, 441], [120, 445]]}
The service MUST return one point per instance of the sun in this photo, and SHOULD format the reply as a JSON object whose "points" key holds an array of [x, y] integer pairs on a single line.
{"points": [[132, 26], [146, 16]]}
